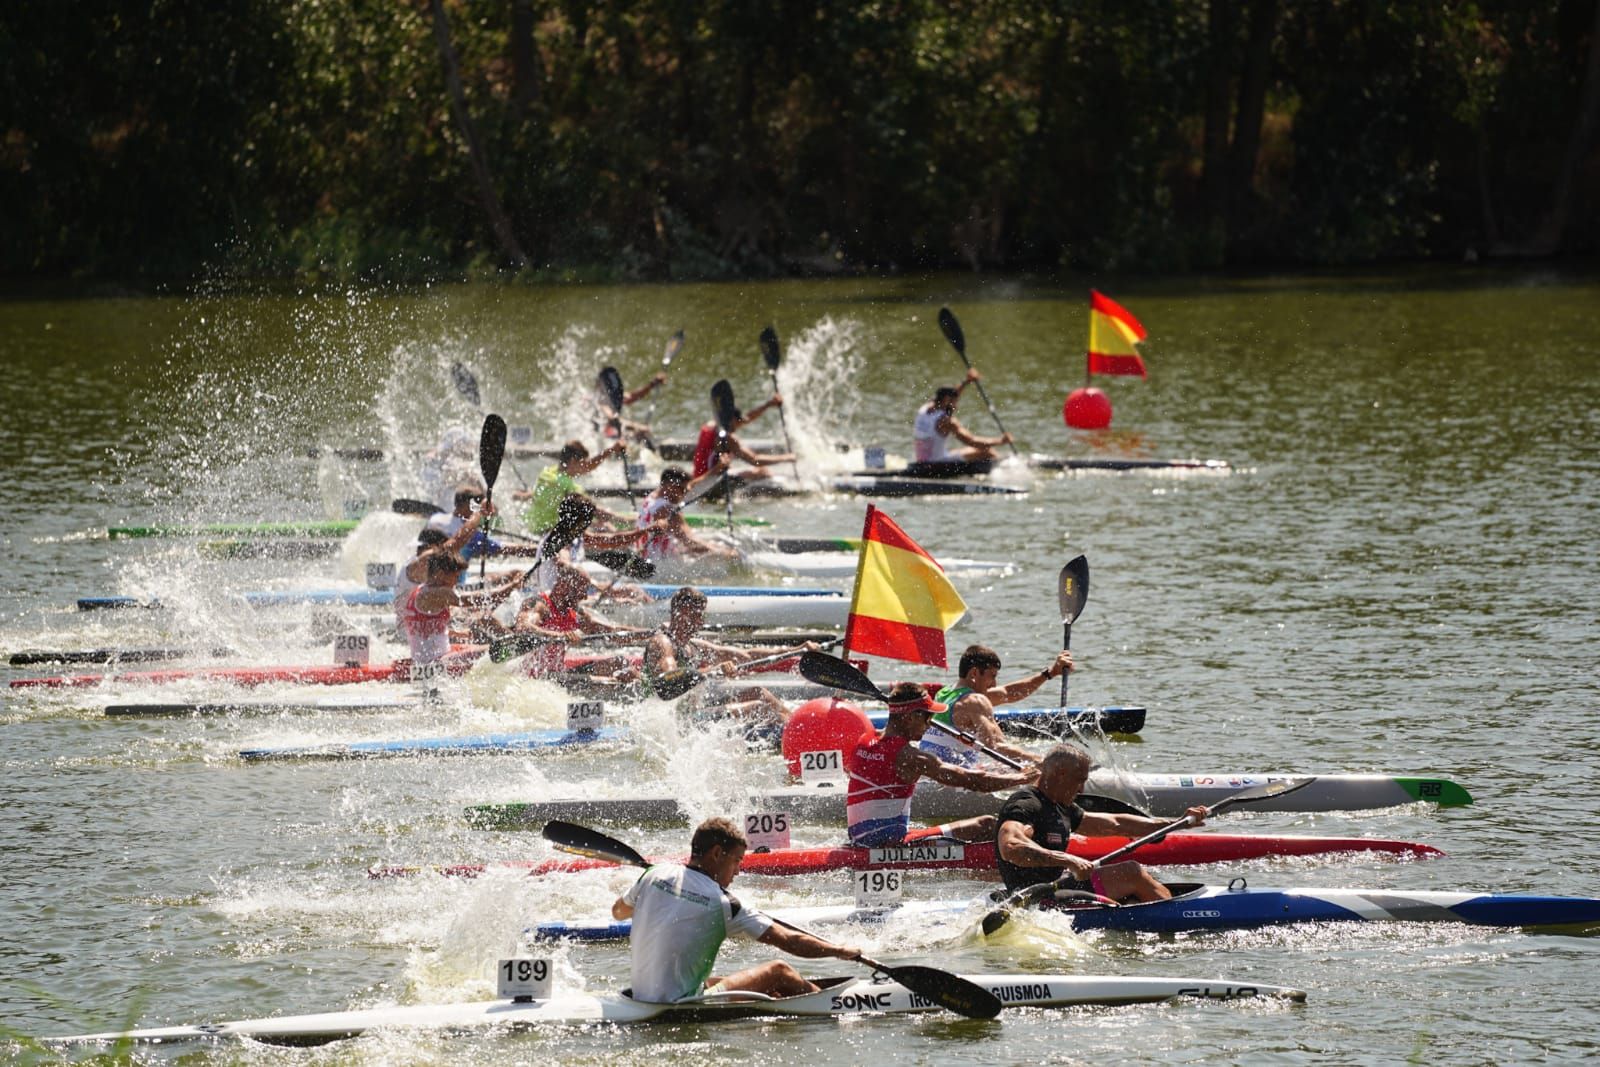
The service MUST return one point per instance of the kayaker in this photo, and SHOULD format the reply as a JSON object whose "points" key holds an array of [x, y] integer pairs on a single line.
{"points": [[1035, 827], [470, 498], [414, 571], [425, 613], [884, 770], [712, 445], [678, 646], [936, 423], [667, 536], [578, 512], [971, 702], [609, 422], [561, 616], [559, 480], [682, 914]]}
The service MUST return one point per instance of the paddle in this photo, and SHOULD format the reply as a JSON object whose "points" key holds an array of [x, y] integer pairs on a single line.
{"points": [[1072, 593], [674, 684], [835, 673], [491, 450], [958, 341], [769, 352], [948, 990], [727, 415], [1033, 893], [466, 384], [406, 506], [674, 346], [628, 564], [611, 383]]}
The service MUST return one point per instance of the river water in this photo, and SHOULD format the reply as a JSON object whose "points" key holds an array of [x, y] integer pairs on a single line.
{"points": [[1398, 574]]}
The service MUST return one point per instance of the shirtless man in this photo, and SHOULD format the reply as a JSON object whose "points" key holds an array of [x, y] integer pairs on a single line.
{"points": [[936, 424], [678, 646], [972, 700], [884, 769]]}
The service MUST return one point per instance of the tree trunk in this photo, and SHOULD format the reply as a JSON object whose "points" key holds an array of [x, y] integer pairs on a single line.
{"points": [[1252, 110], [1214, 143], [1548, 239], [525, 72], [498, 221]]}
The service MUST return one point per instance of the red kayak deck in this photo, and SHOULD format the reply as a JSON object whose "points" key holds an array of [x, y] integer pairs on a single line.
{"points": [[1176, 850]]}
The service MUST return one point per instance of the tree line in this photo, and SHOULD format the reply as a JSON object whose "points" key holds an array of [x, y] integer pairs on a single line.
{"points": [[419, 139]]}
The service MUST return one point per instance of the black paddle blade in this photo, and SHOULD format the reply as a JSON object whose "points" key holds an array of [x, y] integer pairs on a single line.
{"points": [[503, 649], [491, 448], [403, 506], [722, 404], [674, 684], [769, 347], [950, 991], [611, 383], [952, 331], [466, 383], [835, 673], [1074, 589], [582, 841], [628, 564], [573, 516]]}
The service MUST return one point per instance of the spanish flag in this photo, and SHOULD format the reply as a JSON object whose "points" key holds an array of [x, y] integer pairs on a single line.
{"points": [[1113, 337], [902, 603]]}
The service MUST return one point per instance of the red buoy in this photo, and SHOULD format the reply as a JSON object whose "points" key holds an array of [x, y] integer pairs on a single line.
{"points": [[820, 725], [1086, 409]]}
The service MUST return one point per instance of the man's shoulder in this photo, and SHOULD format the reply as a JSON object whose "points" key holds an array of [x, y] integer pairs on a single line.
{"points": [[1024, 803]]}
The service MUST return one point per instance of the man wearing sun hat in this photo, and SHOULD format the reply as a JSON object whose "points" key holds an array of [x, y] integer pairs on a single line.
{"points": [[884, 769]]}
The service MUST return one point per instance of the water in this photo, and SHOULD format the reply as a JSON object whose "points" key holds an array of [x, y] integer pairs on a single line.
{"points": [[1399, 575]]}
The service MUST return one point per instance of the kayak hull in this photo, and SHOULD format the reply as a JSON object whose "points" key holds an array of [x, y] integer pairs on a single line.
{"points": [[1178, 849], [839, 998], [1200, 908]]}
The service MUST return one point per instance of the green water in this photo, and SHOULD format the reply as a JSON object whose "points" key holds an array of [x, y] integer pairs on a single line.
{"points": [[1399, 575]]}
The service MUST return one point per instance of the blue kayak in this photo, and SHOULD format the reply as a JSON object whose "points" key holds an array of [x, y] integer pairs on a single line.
{"points": [[1196, 907], [528, 741], [383, 597]]}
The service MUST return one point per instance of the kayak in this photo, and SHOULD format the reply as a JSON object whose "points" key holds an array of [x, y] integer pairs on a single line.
{"points": [[838, 998], [811, 565], [1052, 463], [456, 662], [525, 741], [1177, 849], [325, 528], [268, 548], [889, 485], [1195, 907], [930, 803], [505, 743], [37, 657], [1173, 794], [747, 611]]}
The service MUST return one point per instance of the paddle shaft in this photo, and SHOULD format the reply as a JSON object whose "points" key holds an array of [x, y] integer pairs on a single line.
{"points": [[467, 385], [674, 343], [770, 353], [952, 332]]}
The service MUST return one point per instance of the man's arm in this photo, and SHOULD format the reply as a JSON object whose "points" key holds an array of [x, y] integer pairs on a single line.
{"points": [[950, 425], [1101, 824], [1026, 687], [914, 763], [1017, 847], [796, 943]]}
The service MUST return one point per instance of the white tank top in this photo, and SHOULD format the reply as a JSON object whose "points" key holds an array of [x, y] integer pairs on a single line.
{"points": [[931, 445]]}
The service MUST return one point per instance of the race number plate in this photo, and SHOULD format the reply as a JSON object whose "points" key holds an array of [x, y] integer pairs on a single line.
{"points": [[352, 650], [822, 766], [874, 457], [523, 979], [380, 575], [877, 889], [586, 715], [521, 435], [427, 672], [635, 472], [355, 507], [767, 830], [946, 852]]}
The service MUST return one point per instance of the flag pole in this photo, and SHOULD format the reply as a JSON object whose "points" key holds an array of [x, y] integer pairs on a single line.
{"points": [[855, 590]]}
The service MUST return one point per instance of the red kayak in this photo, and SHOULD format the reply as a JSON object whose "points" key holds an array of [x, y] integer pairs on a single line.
{"points": [[457, 661], [1176, 849]]}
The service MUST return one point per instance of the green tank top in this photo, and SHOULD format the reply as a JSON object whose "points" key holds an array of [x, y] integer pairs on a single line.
{"points": [[948, 697], [548, 490]]}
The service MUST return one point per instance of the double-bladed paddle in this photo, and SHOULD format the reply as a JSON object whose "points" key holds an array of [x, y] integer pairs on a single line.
{"points": [[611, 384], [1071, 595], [727, 414], [769, 353], [1032, 894], [491, 450], [466, 384], [673, 684], [958, 341], [835, 673], [948, 990], [674, 346]]}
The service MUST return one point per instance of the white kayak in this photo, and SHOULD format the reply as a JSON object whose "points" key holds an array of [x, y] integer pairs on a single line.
{"points": [[838, 997], [741, 611], [813, 565]]}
